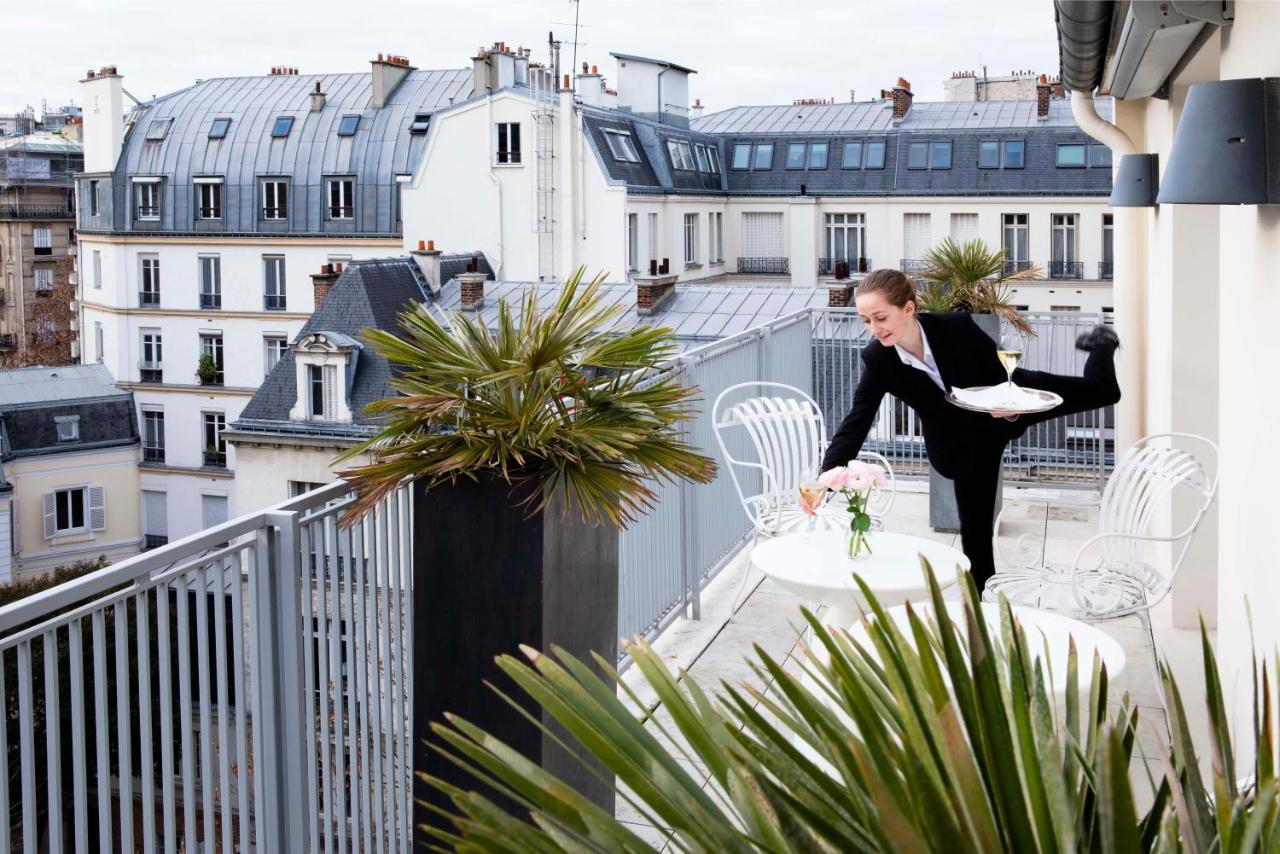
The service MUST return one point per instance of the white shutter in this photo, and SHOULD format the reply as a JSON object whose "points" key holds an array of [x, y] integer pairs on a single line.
{"points": [[964, 227], [50, 518], [762, 235], [330, 392], [97, 508], [916, 237], [155, 513], [214, 508]]}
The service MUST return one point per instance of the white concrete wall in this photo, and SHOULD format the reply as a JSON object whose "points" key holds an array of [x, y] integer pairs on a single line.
{"points": [[6, 542], [103, 131], [266, 469]]}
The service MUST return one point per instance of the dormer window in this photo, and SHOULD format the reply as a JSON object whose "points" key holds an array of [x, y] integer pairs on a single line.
{"points": [[158, 129], [209, 197], [325, 364], [282, 126], [421, 122], [218, 129], [348, 125], [622, 146], [68, 427]]}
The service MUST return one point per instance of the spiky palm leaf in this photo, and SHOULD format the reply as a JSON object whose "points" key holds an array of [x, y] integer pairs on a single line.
{"points": [[927, 740], [972, 277], [549, 400]]}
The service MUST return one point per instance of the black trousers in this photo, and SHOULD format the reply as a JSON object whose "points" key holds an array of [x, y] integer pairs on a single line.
{"points": [[976, 491]]}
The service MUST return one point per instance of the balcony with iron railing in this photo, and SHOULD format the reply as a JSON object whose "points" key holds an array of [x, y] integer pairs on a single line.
{"points": [[913, 265], [274, 302], [153, 453], [36, 212], [1106, 269], [211, 300], [1011, 267], [773, 266], [1066, 269], [151, 372], [842, 268], [151, 299], [215, 459], [231, 735]]}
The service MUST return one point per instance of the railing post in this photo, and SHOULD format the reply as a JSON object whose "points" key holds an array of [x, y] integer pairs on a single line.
{"points": [[277, 583], [689, 575]]}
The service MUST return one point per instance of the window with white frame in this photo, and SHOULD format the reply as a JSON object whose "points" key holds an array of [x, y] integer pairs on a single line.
{"points": [[1063, 252], [1016, 241], [1106, 267], [633, 241], [149, 280], [68, 427], [42, 240], [97, 269], [275, 198], [846, 236], [147, 199], [622, 146], [209, 198], [653, 235], [964, 227], [211, 346], [714, 154], [508, 143], [153, 435], [215, 447], [322, 382], [43, 278], [98, 343], [916, 236], [715, 237], [210, 281], [341, 198], [690, 239], [273, 282], [151, 366], [73, 510], [704, 159], [273, 347]]}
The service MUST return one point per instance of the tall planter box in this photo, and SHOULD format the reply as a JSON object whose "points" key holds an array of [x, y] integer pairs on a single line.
{"points": [[488, 577], [943, 513]]}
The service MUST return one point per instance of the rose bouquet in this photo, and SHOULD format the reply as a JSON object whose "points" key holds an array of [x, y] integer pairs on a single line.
{"points": [[855, 482]]}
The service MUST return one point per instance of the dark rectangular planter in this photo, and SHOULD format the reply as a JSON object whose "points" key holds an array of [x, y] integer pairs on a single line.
{"points": [[943, 513], [487, 577]]}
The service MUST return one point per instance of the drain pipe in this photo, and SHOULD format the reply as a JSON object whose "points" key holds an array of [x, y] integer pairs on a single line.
{"points": [[1129, 283]]}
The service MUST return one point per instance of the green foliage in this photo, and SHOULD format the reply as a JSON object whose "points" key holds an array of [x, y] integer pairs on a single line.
{"points": [[971, 277], [206, 369], [928, 739], [548, 400]]}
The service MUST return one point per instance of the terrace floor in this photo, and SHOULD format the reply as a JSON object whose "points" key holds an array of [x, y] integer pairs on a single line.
{"points": [[716, 648]]}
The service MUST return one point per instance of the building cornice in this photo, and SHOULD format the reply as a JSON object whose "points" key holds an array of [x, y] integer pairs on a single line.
{"points": [[162, 468], [194, 388], [239, 239], [206, 314]]}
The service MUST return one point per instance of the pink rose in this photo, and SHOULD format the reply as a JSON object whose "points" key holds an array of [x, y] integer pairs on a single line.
{"points": [[866, 474], [834, 479]]}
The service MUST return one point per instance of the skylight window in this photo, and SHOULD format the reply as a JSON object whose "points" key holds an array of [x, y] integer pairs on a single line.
{"points": [[795, 155], [764, 157], [687, 153], [1014, 153], [158, 129], [218, 129], [1071, 156], [989, 154], [421, 121], [918, 155], [741, 155], [282, 126], [348, 125], [940, 154], [704, 162], [621, 146], [852, 155], [818, 155], [875, 154]]}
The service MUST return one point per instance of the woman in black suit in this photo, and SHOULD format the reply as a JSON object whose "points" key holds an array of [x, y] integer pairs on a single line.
{"points": [[919, 357]]}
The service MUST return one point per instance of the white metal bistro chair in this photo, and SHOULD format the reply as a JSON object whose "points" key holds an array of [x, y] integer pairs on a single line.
{"points": [[782, 437], [1110, 576]]}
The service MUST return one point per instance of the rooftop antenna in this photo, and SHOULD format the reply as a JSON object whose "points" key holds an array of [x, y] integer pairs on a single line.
{"points": [[577, 32]]}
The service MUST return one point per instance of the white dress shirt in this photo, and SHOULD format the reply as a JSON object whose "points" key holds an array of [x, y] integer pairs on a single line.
{"points": [[928, 365]]}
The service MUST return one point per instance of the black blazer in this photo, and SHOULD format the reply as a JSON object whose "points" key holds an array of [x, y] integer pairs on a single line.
{"points": [[965, 356]]}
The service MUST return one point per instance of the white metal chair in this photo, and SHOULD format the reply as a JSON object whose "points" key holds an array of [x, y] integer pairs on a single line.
{"points": [[1110, 576], [785, 436]]}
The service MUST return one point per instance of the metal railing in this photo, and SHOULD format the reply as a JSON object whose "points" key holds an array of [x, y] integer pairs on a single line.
{"points": [[152, 454], [8, 340], [148, 299], [217, 459], [273, 302], [1106, 270], [775, 266], [912, 265], [1011, 267], [36, 212], [165, 702], [1066, 269], [843, 267], [211, 300]]}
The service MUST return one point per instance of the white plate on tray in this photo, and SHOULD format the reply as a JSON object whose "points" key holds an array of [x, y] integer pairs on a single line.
{"points": [[997, 398]]}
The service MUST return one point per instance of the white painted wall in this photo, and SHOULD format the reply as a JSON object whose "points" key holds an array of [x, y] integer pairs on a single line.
{"points": [[262, 479], [103, 131]]}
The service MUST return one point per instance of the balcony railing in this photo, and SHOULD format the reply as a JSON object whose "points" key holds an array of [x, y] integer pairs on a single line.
{"points": [[152, 454], [1106, 269], [912, 265], [1011, 267], [36, 212], [274, 302], [216, 459], [150, 299], [230, 734], [211, 300], [151, 372], [773, 266], [153, 541], [837, 266], [1066, 269]]}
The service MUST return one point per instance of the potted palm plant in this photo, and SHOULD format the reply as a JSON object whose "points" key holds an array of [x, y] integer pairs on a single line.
{"points": [[970, 277], [529, 445]]}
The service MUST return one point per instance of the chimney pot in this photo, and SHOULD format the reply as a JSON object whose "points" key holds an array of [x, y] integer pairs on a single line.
{"points": [[593, 70], [431, 245], [422, 245], [323, 281], [566, 81], [584, 68], [379, 57]]}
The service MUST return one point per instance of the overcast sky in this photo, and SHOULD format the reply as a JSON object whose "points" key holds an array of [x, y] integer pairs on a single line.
{"points": [[745, 51]]}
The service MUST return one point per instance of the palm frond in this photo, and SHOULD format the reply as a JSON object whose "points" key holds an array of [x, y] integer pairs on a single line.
{"points": [[972, 277]]}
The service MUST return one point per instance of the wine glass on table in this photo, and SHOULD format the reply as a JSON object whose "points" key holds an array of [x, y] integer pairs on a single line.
{"points": [[810, 495]]}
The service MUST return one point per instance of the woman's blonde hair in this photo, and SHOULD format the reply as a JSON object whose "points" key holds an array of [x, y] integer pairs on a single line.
{"points": [[896, 286]]}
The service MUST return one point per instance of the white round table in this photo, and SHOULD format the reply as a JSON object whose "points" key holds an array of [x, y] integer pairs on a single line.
{"points": [[817, 567]]}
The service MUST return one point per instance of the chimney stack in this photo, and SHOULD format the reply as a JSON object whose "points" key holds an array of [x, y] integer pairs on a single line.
{"points": [[428, 260], [323, 282], [472, 285], [102, 94], [1043, 92], [388, 73], [901, 98], [317, 99], [653, 290]]}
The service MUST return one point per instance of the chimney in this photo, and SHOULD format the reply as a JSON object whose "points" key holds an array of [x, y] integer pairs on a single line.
{"points": [[1044, 91], [317, 99], [901, 98], [522, 66], [695, 112], [323, 282], [840, 294], [428, 260], [1059, 91], [388, 73], [102, 94], [654, 89], [472, 285], [653, 290]]}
